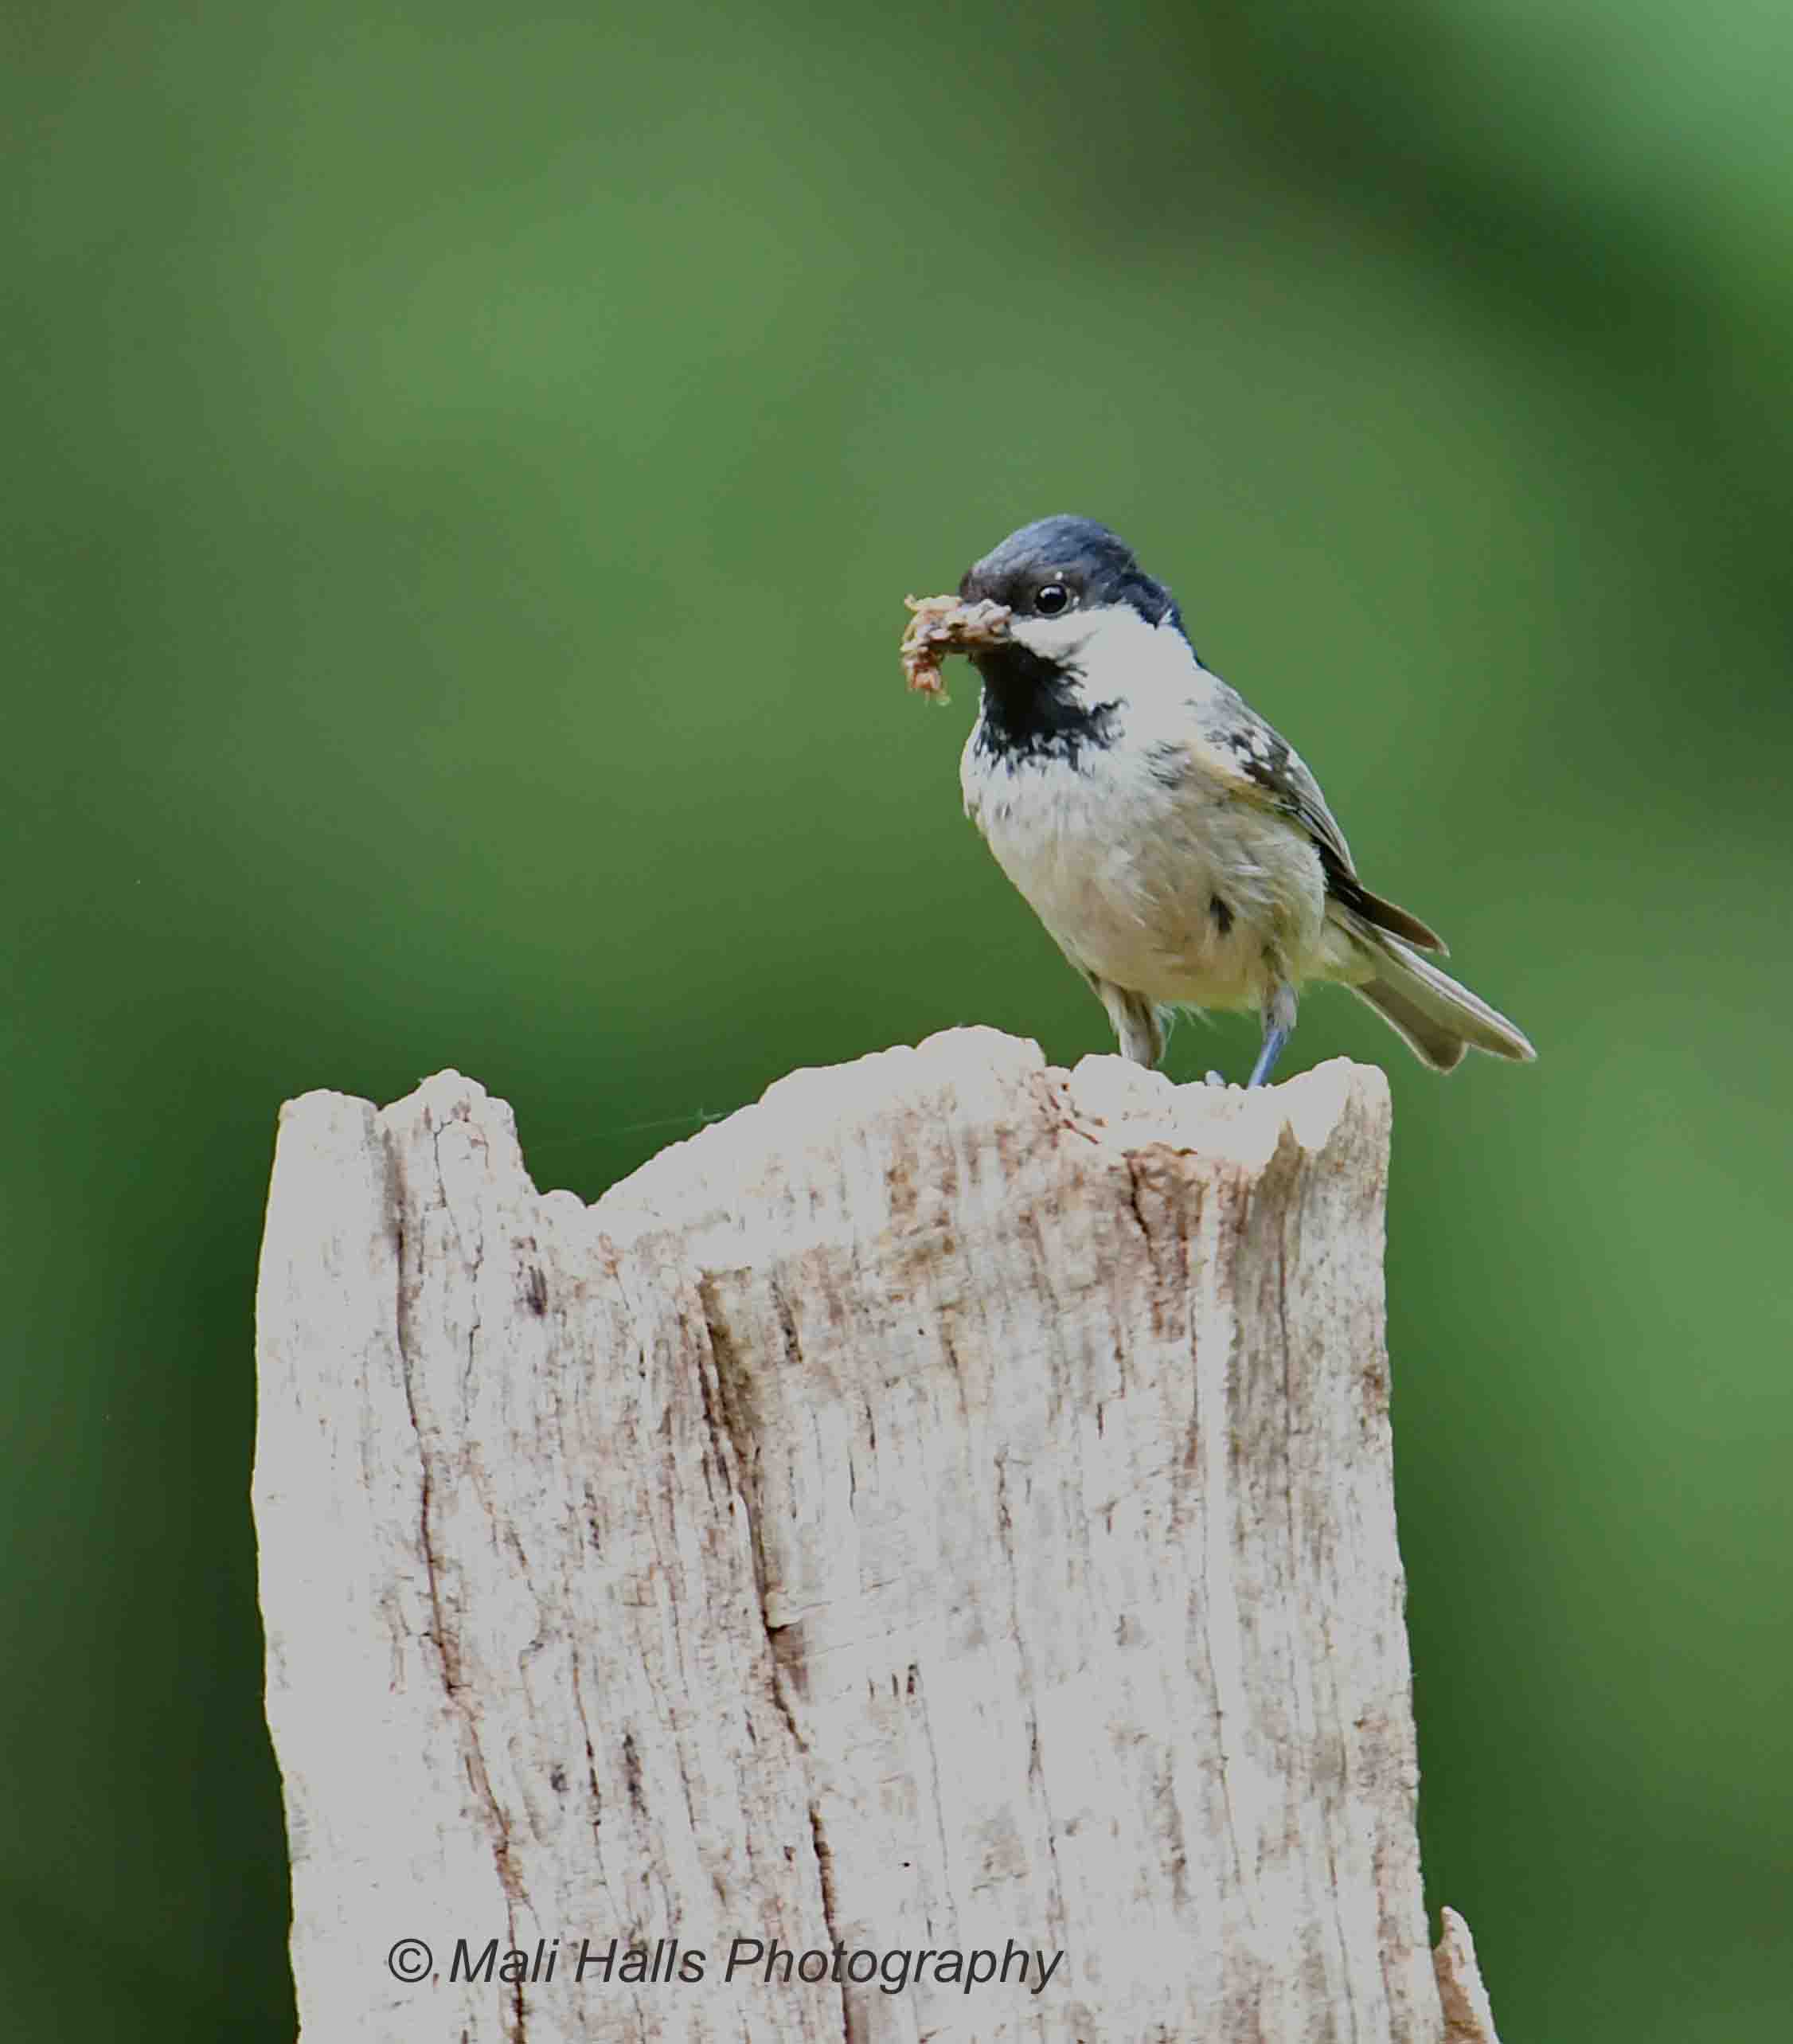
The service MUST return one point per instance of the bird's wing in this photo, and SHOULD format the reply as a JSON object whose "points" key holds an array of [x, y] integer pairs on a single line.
{"points": [[1251, 761], [1255, 762]]}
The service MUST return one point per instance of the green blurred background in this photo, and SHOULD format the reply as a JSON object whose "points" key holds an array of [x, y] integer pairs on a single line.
{"points": [[465, 467]]}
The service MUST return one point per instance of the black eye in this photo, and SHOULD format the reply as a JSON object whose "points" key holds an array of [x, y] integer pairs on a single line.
{"points": [[1053, 601]]}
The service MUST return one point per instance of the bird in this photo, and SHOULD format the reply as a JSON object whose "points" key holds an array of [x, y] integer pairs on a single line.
{"points": [[1176, 848]]}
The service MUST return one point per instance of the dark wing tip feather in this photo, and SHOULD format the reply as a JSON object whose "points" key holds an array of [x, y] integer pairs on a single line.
{"points": [[1384, 914]]}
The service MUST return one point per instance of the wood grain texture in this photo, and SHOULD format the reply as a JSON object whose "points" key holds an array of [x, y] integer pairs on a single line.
{"points": [[946, 1507]]}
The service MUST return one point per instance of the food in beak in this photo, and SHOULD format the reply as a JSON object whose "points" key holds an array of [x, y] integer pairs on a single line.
{"points": [[947, 624]]}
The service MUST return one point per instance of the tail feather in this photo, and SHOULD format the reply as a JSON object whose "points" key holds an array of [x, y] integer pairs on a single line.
{"points": [[1438, 1018]]}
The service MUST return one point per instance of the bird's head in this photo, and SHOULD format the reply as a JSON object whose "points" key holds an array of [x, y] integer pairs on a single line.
{"points": [[1058, 618], [1067, 583]]}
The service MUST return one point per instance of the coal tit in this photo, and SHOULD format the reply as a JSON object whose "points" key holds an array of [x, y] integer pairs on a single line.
{"points": [[1177, 850]]}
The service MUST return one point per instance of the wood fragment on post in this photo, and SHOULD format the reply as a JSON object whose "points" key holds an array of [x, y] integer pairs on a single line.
{"points": [[1468, 2017], [944, 1508]]}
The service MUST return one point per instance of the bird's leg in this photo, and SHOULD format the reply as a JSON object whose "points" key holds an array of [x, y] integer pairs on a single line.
{"points": [[1137, 1024], [1278, 1026]]}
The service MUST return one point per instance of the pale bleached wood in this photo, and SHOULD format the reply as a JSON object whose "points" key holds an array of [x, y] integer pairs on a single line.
{"points": [[945, 1503]]}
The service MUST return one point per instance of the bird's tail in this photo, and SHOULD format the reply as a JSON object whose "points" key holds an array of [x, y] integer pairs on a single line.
{"points": [[1438, 1018]]}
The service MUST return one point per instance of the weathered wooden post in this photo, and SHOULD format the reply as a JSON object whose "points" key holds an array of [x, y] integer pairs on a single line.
{"points": [[916, 1560]]}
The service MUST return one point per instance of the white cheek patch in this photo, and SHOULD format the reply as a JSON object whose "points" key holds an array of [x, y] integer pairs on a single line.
{"points": [[1113, 640], [1115, 656]]}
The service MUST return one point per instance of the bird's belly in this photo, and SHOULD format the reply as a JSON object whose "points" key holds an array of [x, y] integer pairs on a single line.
{"points": [[1178, 903]]}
